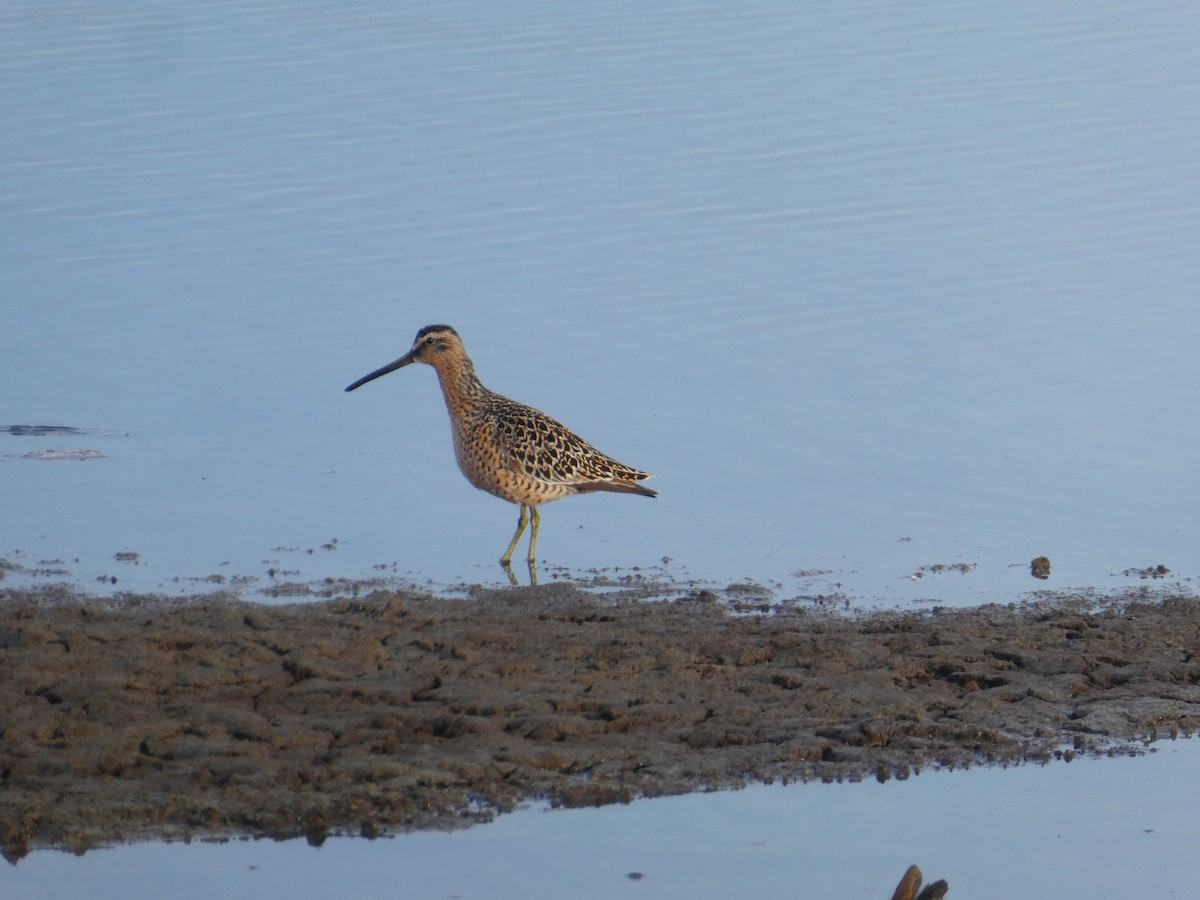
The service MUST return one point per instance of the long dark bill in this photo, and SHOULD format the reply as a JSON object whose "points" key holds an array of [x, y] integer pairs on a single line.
{"points": [[390, 367]]}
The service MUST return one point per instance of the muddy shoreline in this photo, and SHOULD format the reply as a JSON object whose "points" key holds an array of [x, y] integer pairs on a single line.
{"points": [[146, 718]]}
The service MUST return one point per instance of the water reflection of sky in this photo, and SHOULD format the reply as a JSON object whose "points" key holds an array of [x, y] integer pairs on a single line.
{"points": [[868, 291], [1016, 832]]}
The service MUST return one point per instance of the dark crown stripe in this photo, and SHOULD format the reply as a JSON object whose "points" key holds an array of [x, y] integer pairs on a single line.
{"points": [[428, 328]]}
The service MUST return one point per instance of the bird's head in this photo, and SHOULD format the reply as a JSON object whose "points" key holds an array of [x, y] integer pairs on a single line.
{"points": [[436, 345]]}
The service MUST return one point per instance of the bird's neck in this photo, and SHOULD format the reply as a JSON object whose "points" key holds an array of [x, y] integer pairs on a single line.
{"points": [[460, 385]]}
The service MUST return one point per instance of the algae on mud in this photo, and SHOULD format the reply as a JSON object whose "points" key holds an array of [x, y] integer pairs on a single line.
{"points": [[141, 717]]}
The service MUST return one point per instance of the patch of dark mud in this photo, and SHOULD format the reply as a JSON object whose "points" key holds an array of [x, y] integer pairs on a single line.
{"points": [[57, 431], [1158, 571], [40, 430], [139, 717], [61, 431], [961, 568]]}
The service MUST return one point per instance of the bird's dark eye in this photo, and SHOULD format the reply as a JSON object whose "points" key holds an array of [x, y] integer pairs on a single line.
{"points": [[429, 341]]}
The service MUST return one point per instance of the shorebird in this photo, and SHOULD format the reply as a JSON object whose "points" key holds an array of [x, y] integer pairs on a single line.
{"points": [[506, 448]]}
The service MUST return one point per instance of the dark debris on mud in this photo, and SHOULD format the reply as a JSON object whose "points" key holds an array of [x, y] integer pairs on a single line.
{"points": [[140, 717]]}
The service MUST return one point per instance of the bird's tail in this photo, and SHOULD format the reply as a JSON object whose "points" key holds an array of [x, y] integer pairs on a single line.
{"points": [[617, 487]]}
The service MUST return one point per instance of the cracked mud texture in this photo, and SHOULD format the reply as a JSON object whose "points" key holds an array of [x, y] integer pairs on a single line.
{"points": [[144, 718]]}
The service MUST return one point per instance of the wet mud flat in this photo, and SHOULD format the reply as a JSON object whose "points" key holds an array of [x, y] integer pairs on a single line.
{"points": [[141, 717]]}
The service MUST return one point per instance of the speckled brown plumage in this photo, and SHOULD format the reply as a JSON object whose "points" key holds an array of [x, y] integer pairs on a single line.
{"points": [[507, 448]]}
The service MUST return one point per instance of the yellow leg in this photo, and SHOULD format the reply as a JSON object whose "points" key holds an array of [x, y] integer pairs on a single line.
{"points": [[521, 523], [536, 520]]}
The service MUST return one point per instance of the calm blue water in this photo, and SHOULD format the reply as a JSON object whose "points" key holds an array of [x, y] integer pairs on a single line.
{"points": [[869, 287], [1032, 831]]}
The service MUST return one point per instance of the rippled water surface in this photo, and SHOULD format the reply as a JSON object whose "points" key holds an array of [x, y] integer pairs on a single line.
{"points": [[869, 289], [872, 289]]}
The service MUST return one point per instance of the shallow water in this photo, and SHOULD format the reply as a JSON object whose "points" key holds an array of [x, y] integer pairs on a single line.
{"points": [[869, 288], [1091, 828]]}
